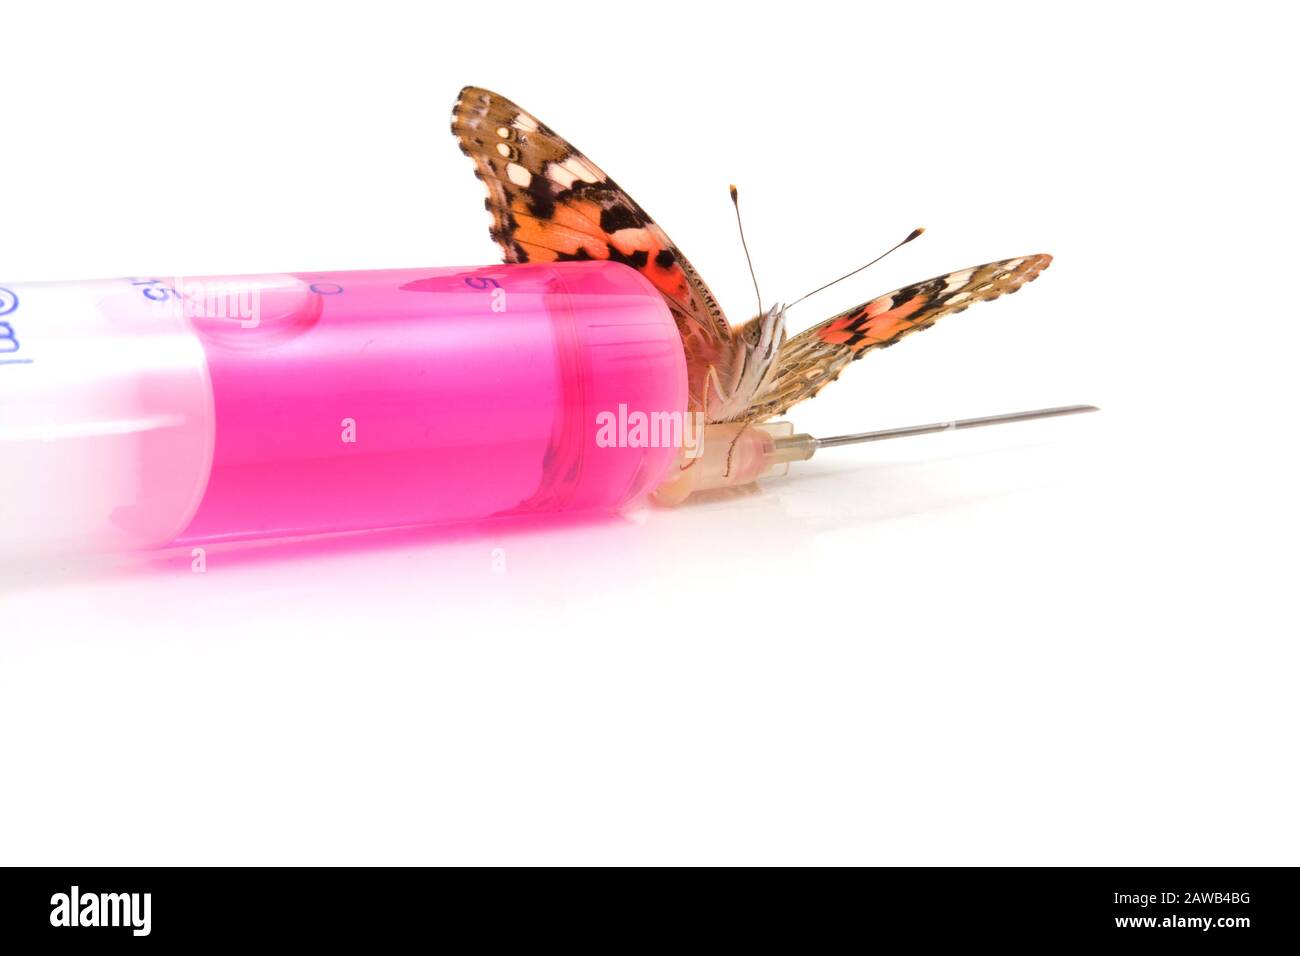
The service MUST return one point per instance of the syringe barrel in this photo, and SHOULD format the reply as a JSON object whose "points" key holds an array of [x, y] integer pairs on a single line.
{"points": [[142, 413]]}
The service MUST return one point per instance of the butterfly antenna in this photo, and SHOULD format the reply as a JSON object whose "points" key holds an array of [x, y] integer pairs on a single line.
{"points": [[910, 236], [735, 201]]}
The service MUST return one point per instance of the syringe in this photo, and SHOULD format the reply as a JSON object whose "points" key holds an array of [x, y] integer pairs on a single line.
{"points": [[151, 412]]}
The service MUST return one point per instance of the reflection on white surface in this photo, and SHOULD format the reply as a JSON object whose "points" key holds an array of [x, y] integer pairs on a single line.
{"points": [[944, 630]]}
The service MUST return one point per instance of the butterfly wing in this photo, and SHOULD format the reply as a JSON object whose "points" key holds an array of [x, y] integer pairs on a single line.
{"points": [[550, 203], [812, 359]]}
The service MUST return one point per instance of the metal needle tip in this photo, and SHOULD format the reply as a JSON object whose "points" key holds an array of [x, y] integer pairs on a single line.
{"points": [[953, 426]]}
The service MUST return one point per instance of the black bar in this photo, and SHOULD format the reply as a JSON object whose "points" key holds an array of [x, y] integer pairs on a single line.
{"points": [[1226, 908]]}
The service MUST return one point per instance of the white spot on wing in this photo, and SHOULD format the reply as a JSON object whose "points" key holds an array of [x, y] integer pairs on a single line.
{"points": [[559, 175], [503, 132], [525, 122], [518, 175], [958, 279], [581, 169], [503, 149]]}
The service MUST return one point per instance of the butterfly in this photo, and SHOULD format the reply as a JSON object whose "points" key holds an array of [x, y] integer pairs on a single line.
{"points": [[550, 203]]}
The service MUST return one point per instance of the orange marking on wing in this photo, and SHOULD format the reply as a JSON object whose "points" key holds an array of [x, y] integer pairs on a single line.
{"points": [[846, 323], [581, 216], [550, 234], [573, 227], [836, 336], [879, 326], [670, 279], [886, 325], [538, 253], [673, 286]]}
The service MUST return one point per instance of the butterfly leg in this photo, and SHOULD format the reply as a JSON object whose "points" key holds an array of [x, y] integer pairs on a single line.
{"points": [[710, 378], [713, 379], [731, 449]]}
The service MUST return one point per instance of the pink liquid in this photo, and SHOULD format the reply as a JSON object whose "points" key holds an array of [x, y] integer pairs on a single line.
{"points": [[403, 397]]}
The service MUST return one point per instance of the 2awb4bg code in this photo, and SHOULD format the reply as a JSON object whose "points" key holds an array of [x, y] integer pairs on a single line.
{"points": [[1185, 899]]}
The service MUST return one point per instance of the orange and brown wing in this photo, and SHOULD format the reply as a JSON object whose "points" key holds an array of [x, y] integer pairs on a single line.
{"points": [[550, 203], [813, 359]]}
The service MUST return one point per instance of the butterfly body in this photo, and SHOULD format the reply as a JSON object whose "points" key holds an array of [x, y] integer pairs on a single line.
{"points": [[741, 373], [550, 203]]}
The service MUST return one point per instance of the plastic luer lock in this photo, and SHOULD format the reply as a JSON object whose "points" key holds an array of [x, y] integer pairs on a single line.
{"points": [[147, 412]]}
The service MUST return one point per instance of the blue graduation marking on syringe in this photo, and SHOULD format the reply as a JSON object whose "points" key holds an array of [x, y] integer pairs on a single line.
{"points": [[9, 343]]}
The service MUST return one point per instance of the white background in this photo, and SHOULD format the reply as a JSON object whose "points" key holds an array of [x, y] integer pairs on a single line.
{"points": [[1067, 643]]}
